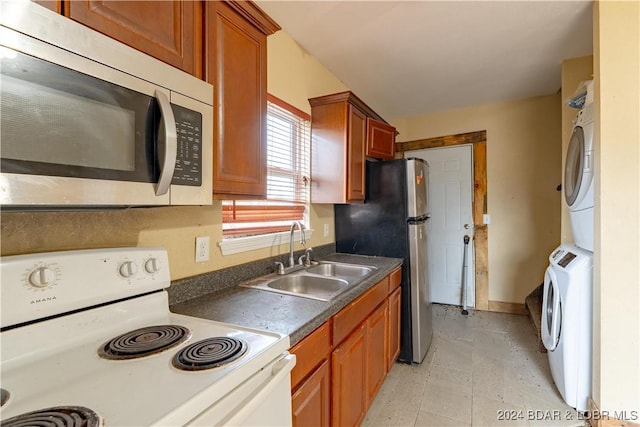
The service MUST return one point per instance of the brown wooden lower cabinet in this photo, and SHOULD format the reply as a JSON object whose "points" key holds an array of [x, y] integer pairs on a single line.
{"points": [[310, 402], [377, 350], [343, 363], [348, 379], [394, 327]]}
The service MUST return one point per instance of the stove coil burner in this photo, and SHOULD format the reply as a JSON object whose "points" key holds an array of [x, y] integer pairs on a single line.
{"points": [[209, 353], [59, 416], [143, 342], [4, 396]]}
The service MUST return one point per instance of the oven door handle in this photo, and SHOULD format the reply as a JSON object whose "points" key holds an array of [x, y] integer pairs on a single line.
{"points": [[167, 156]]}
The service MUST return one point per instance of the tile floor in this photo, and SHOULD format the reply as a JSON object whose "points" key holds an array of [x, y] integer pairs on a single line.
{"points": [[481, 370]]}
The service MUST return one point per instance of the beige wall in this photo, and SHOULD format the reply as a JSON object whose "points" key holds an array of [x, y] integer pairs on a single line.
{"points": [[574, 71], [174, 228], [523, 171], [616, 346], [293, 76]]}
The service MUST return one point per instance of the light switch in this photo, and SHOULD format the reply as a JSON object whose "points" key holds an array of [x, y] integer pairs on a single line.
{"points": [[486, 219]]}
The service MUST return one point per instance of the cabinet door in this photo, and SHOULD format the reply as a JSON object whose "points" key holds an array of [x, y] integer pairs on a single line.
{"points": [[236, 66], [381, 139], [348, 380], [356, 140], [394, 327], [168, 30], [329, 152], [377, 350], [310, 402]]}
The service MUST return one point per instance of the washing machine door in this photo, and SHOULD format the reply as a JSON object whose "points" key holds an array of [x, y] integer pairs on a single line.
{"points": [[551, 311], [574, 166], [578, 170]]}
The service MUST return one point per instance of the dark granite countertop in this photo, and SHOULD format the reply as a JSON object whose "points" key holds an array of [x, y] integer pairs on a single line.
{"points": [[286, 314]]}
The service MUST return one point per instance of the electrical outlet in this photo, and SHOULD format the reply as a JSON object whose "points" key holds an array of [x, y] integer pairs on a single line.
{"points": [[202, 248], [326, 230]]}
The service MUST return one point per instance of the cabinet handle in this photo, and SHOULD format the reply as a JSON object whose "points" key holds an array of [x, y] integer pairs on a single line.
{"points": [[167, 156]]}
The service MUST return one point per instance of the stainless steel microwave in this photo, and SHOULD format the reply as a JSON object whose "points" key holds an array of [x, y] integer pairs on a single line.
{"points": [[86, 121]]}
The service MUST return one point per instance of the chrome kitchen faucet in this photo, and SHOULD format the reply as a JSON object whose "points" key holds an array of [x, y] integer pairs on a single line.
{"points": [[303, 241]]}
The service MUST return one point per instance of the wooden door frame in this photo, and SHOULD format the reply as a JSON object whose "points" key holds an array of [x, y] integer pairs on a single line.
{"points": [[479, 205]]}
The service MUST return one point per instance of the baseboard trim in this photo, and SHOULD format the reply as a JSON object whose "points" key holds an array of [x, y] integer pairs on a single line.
{"points": [[596, 418], [508, 307]]}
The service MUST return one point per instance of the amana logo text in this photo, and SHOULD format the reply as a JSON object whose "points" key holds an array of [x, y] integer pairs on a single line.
{"points": [[39, 300]]}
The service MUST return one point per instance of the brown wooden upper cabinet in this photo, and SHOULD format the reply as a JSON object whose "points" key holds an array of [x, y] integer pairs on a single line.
{"points": [[170, 31], [222, 42], [381, 139], [344, 131], [236, 66]]}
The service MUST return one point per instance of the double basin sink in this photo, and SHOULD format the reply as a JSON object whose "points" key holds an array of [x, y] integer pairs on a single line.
{"points": [[323, 281]]}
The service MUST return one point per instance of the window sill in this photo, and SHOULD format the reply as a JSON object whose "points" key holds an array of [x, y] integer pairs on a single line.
{"points": [[244, 244]]}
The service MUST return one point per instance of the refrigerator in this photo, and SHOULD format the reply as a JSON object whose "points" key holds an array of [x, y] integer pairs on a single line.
{"points": [[393, 221]]}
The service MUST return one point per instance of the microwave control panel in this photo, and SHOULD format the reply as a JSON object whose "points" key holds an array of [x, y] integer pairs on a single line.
{"points": [[189, 157]]}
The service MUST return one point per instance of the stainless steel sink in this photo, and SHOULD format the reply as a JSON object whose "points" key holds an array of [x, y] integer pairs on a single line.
{"points": [[340, 269], [319, 287], [323, 282]]}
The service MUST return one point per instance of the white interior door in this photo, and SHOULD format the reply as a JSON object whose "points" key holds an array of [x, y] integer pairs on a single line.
{"points": [[450, 201]]}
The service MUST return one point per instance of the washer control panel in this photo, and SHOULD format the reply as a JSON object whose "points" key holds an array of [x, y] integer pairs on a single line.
{"points": [[562, 256], [46, 284], [566, 259]]}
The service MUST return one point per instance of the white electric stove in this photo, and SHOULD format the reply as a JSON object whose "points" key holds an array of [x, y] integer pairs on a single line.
{"points": [[89, 335]]}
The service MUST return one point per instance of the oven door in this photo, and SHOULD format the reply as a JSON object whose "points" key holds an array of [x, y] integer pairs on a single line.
{"points": [[76, 132], [263, 400]]}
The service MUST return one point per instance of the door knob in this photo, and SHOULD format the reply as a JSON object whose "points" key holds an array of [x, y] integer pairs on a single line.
{"points": [[468, 226]]}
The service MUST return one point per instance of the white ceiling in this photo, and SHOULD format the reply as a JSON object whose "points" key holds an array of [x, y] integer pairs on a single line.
{"points": [[407, 58]]}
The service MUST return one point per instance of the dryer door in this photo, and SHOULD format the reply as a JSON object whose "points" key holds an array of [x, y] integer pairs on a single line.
{"points": [[574, 166], [551, 311]]}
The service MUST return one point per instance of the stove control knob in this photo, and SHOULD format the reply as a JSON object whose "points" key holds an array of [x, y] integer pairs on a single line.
{"points": [[128, 269], [151, 265], [41, 277]]}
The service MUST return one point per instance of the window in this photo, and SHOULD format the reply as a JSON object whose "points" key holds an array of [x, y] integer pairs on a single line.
{"points": [[288, 146]]}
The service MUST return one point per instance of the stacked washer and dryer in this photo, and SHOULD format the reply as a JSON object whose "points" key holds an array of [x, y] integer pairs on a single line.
{"points": [[568, 282]]}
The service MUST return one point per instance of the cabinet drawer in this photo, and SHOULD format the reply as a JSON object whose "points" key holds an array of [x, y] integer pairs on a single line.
{"points": [[310, 352], [355, 313], [395, 278]]}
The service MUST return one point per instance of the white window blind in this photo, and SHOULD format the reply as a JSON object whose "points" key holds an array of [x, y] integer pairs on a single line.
{"points": [[288, 151]]}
